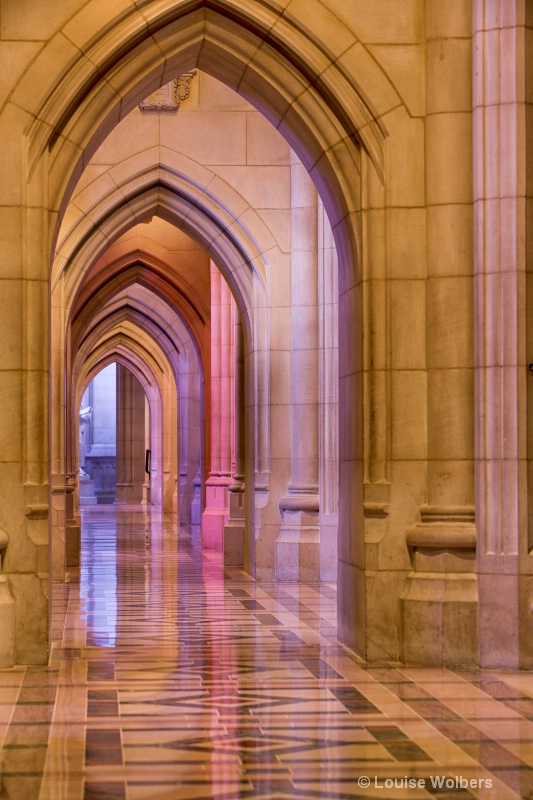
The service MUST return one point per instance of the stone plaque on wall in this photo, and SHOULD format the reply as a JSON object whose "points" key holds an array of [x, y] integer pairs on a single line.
{"points": [[169, 96]]}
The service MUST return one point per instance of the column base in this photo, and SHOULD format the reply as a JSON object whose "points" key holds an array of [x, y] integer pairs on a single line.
{"points": [[124, 493], [216, 514], [72, 545], [196, 502], [146, 498], [439, 602], [234, 528], [297, 549], [439, 620], [7, 624]]}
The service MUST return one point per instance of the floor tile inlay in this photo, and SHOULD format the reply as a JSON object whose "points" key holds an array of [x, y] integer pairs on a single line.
{"points": [[174, 678]]}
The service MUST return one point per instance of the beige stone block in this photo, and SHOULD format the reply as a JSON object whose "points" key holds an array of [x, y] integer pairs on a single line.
{"points": [[439, 620], [351, 606], [404, 66], [279, 224], [264, 145], [70, 219], [65, 162], [11, 519], [350, 422], [498, 620], [305, 445], [352, 541], [448, 18], [31, 619], [377, 88], [280, 281], [280, 329], [210, 57], [409, 418], [451, 414], [261, 187], [34, 19], [525, 181], [451, 482], [280, 426], [449, 79], [10, 329], [101, 189], [11, 244], [528, 47], [320, 24], [450, 240], [13, 121], [260, 85], [383, 614], [385, 21], [14, 58], [195, 133], [375, 244], [375, 423], [215, 95], [449, 141], [350, 333], [408, 489], [37, 83], [314, 150], [251, 225], [304, 324], [328, 547], [407, 242], [11, 425], [405, 176], [450, 330], [408, 320], [429, 560], [7, 625], [94, 17], [525, 589], [280, 377], [136, 133]]}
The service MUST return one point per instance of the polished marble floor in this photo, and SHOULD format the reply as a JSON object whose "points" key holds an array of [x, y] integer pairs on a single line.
{"points": [[173, 678]]}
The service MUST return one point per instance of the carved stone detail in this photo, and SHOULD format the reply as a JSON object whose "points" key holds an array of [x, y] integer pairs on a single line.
{"points": [[170, 96]]}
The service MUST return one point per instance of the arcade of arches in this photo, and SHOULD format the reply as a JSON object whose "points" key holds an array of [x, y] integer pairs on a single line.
{"points": [[300, 229]]}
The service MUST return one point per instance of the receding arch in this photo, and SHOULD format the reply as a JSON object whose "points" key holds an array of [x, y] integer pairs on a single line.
{"points": [[283, 71], [131, 354], [236, 257], [306, 114]]}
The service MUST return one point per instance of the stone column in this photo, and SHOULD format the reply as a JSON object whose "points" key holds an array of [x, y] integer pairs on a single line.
{"points": [[146, 490], [130, 437], [297, 553], [216, 489], [440, 595], [234, 527], [7, 613], [328, 373], [503, 193]]}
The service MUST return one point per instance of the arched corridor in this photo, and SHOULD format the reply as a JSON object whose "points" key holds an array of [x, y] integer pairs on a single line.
{"points": [[303, 229], [173, 677]]}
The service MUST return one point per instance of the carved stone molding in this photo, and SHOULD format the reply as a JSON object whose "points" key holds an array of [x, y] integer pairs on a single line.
{"points": [[170, 96]]}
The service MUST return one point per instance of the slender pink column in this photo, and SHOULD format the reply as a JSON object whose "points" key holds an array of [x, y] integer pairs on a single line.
{"points": [[216, 510], [234, 527]]}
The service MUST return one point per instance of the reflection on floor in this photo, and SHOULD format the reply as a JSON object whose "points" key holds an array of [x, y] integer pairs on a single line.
{"points": [[171, 678]]}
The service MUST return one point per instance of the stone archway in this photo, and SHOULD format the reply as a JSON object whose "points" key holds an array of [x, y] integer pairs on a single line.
{"points": [[309, 116]]}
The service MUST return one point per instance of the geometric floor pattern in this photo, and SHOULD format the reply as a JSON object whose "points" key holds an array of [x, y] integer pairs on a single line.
{"points": [[171, 678]]}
